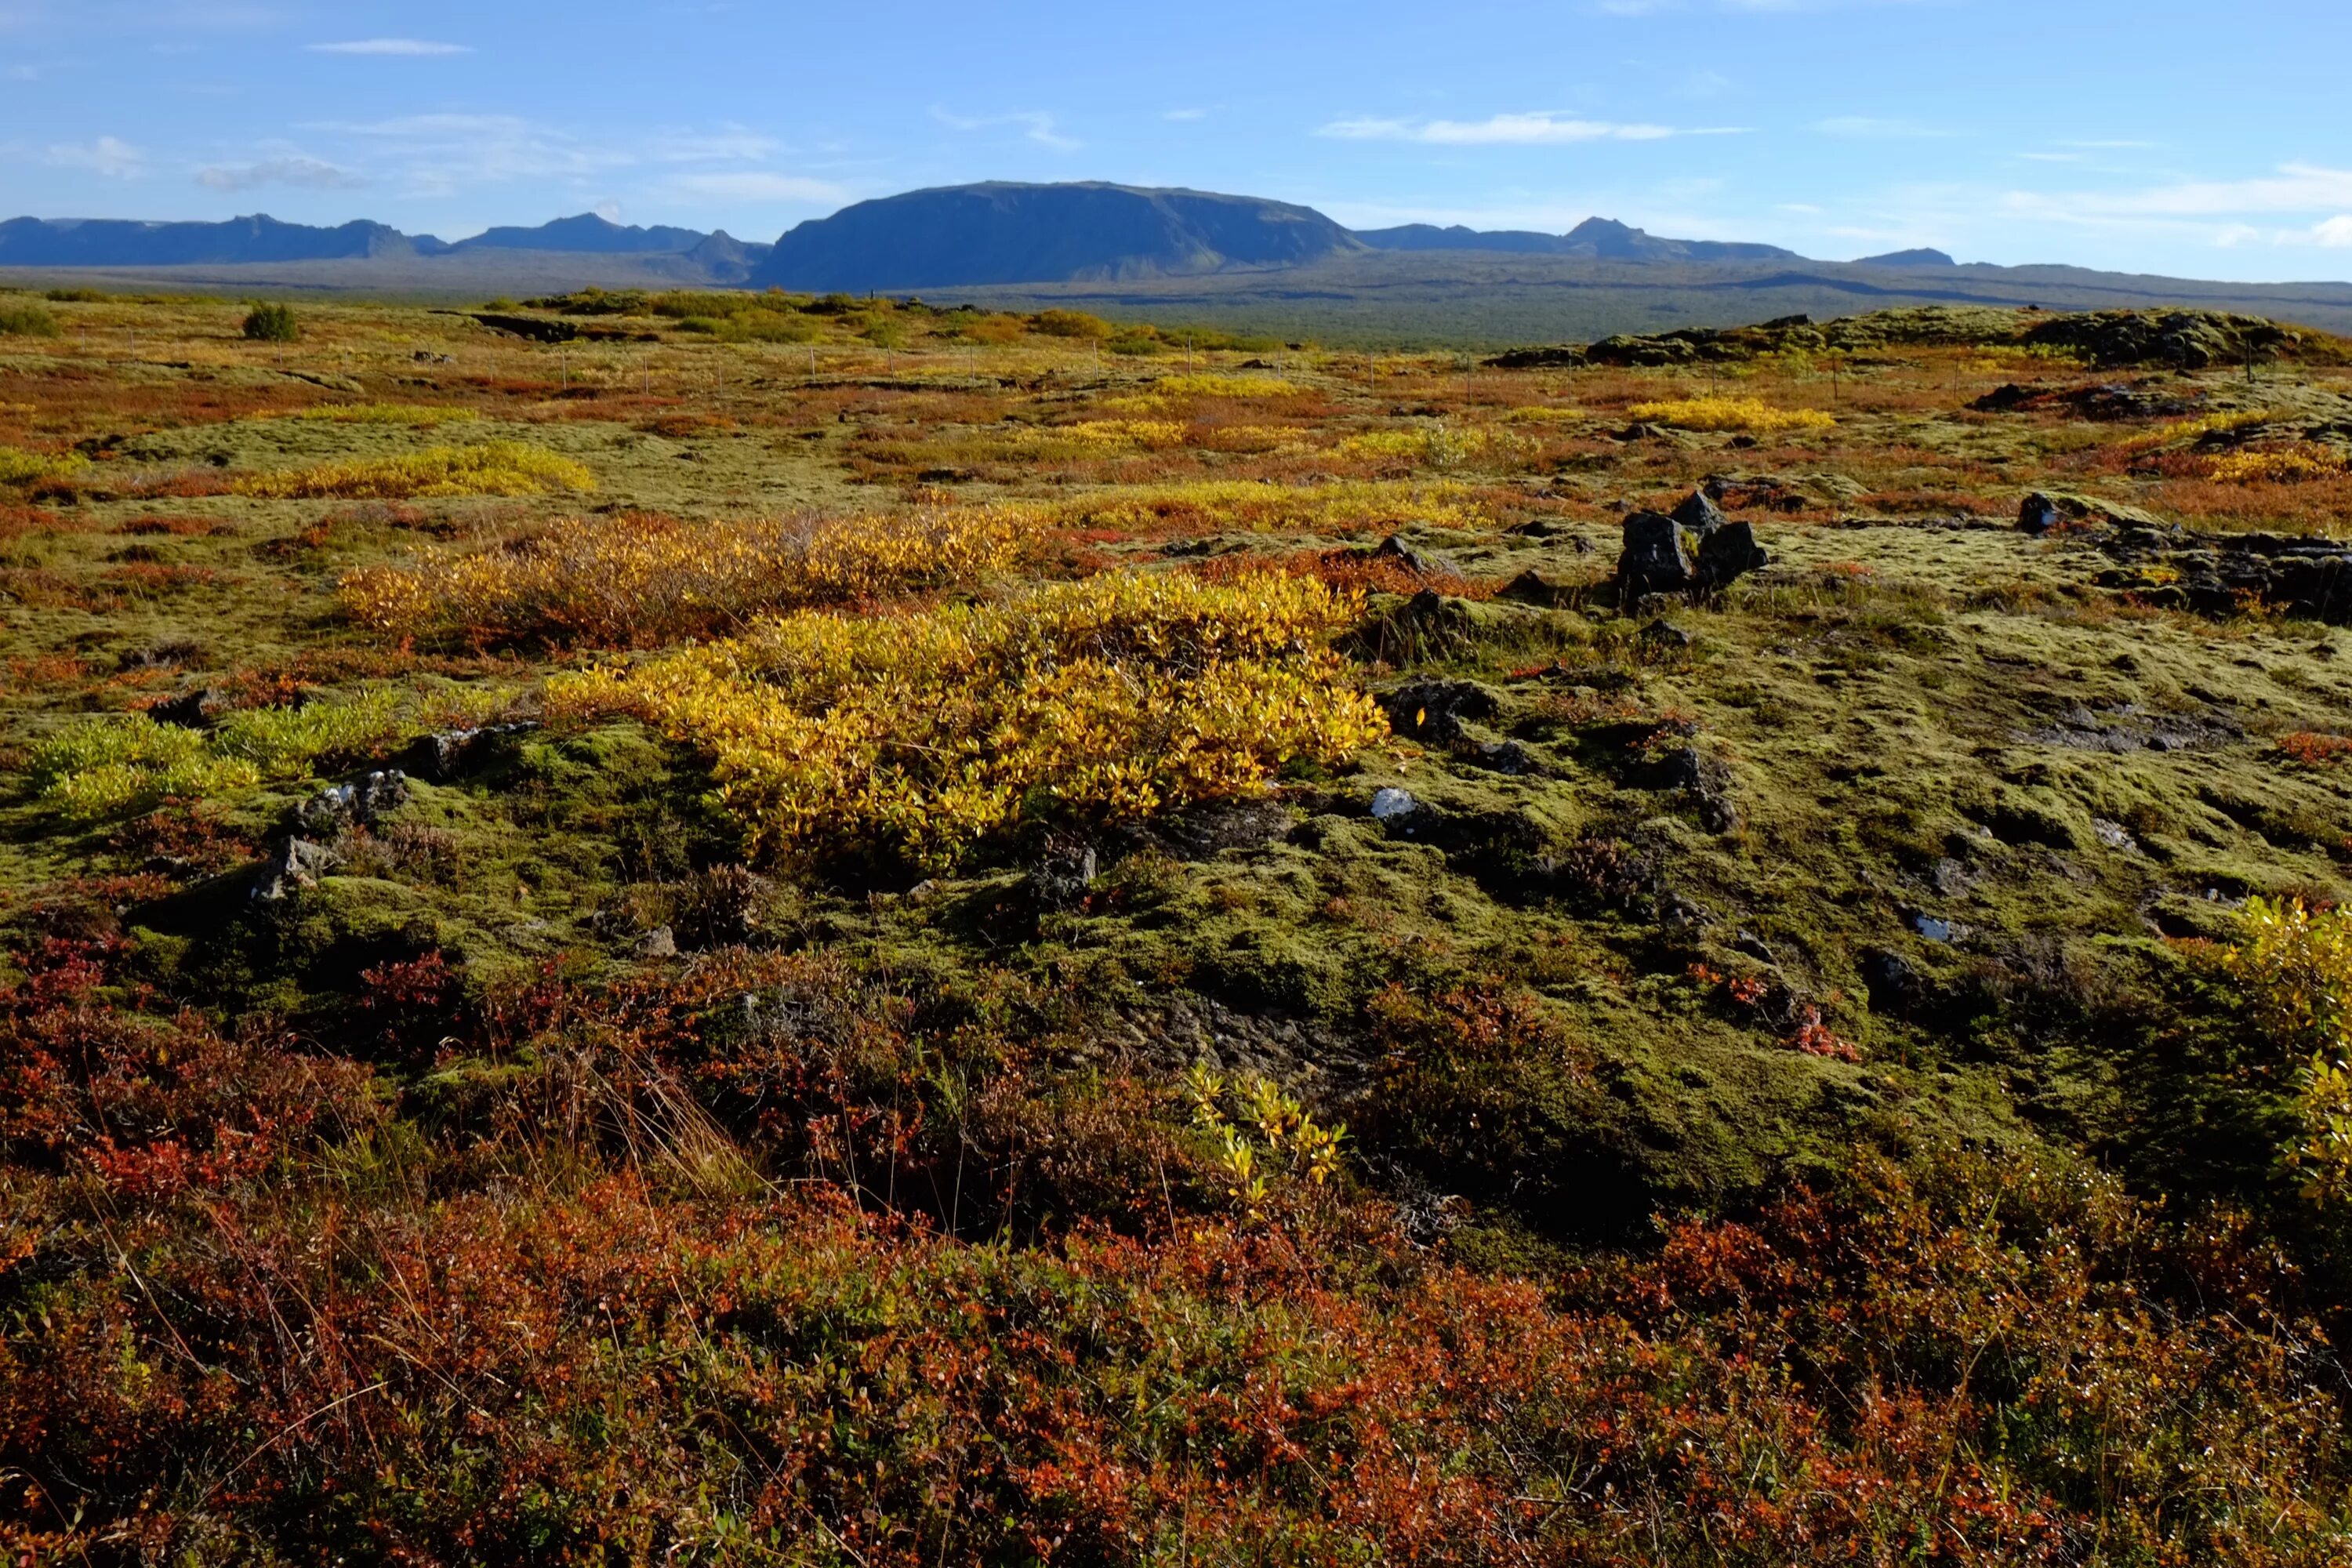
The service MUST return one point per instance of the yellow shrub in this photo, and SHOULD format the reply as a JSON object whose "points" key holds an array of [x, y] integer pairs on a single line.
{"points": [[2279, 465], [1205, 384], [1544, 414], [492, 469], [21, 468], [913, 739], [641, 581], [1150, 435], [1729, 413], [1349, 506], [2296, 965]]}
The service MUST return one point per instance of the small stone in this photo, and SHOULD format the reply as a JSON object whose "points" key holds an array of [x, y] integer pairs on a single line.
{"points": [[658, 943], [1664, 633], [1387, 805], [2114, 835], [1934, 928], [2038, 514]]}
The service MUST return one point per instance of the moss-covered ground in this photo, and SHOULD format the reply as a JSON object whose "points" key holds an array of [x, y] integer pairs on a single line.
{"points": [[1905, 843]]}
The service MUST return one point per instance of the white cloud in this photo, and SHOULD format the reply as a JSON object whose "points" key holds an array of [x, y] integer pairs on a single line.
{"points": [[108, 156], [1183, 114], [409, 47], [309, 172], [2334, 233], [1036, 125], [2224, 213], [1542, 128], [756, 186]]}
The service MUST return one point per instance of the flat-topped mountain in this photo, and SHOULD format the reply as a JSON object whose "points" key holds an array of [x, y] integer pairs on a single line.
{"points": [[115, 242], [1002, 231], [1594, 239], [588, 233]]}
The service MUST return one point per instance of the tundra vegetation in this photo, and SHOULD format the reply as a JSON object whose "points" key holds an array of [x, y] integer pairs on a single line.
{"points": [[736, 928]]}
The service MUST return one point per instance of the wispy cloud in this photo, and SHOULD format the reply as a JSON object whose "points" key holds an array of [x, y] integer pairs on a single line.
{"points": [[2336, 233], [1184, 114], [408, 47], [760, 186], [109, 157], [1542, 128], [1036, 125], [2292, 188], [310, 173]]}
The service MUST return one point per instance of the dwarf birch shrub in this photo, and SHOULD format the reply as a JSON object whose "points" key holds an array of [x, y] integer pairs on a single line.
{"points": [[1730, 414], [491, 468], [913, 739], [2296, 965], [641, 581]]}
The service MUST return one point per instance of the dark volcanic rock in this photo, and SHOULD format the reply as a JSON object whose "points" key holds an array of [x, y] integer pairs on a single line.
{"points": [[1698, 513], [1432, 711], [1421, 563], [1728, 553], [1657, 558], [1535, 589]]}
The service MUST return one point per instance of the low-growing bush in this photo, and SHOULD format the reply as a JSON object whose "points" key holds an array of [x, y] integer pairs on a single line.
{"points": [[106, 765], [272, 324], [638, 581], [1206, 384], [25, 320], [492, 469], [910, 741], [1751, 414], [22, 467], [1070, 325]]}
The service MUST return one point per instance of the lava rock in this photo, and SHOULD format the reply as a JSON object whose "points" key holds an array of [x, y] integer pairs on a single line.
{"points": [[295, 863], [1393, 804], [1432, 711], [2037, 514], [361, 803], [1698, 514], [1656, 557], [658, 943], [1728, 553], [1535, 589], [1664, 633], [1420, 563], [189, 710]]}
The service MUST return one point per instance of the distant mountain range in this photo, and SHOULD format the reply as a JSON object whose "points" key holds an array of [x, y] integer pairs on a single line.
{"points": [[1594, 239], [244, 241], [1134, 251]]}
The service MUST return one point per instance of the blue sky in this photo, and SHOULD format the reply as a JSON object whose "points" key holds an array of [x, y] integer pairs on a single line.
{"points": [[2205, 140]]}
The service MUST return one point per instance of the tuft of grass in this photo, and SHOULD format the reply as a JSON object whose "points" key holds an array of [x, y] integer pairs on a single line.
{"points": [[1751, 414], [411, 414], [491, 468]]}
